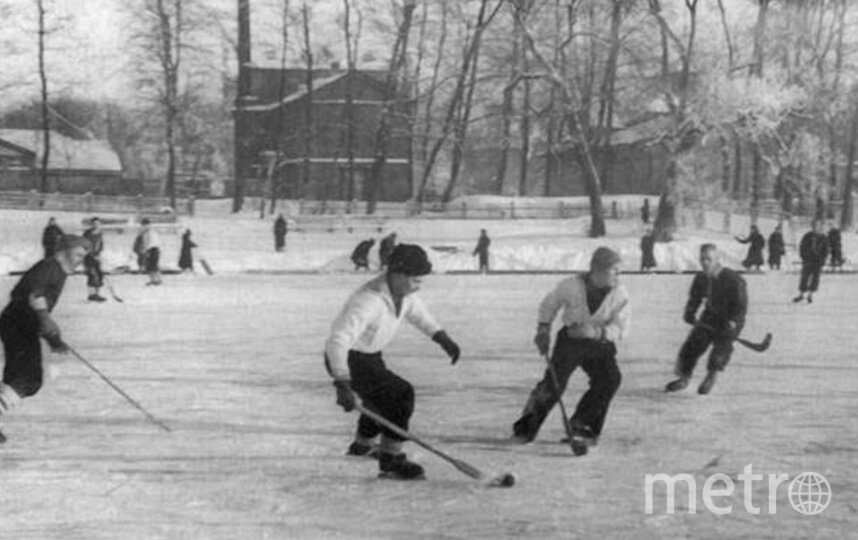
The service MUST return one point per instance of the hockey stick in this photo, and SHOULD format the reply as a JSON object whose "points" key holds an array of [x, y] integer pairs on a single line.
{"points": [[564, 415], [119, 390], [503, 480], [757, 347], [109, 283]]}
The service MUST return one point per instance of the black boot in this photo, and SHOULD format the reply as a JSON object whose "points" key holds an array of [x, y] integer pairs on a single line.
{"points": [[707, 384], [362, 450], [677, 385], [2, 438], [397, 467]]}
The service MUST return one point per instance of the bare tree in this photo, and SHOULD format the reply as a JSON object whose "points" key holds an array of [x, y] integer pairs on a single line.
{"points": [[43, 84], [307, 135]]}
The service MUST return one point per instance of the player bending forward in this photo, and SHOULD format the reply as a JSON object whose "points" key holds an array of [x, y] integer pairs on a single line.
{"points": [[353, 355], [28, 316], [726, 303], [596, 313]]}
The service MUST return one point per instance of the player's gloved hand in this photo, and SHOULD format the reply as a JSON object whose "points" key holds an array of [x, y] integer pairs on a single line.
{"points": [[450, 347], [345, 395], [542, 340], [58, 346], [731, 330]]}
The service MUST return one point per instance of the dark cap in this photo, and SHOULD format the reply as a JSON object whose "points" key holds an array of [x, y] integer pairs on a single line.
{"points": [[604, 258], [409, 259]]}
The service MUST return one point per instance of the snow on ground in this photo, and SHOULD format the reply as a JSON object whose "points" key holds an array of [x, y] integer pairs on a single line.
{"points": [[232, 363]]}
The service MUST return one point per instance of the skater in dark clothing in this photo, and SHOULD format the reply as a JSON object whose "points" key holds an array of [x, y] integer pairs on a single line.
{"points": [[755, 250], [386, 248], [186, 255], [596, 314], [835, 246], [360, 255], [482, 250], [280, 230], [724, 295], [51, 237], [353, 356], [92, 261], [776, 248], [814, 252], [27, 317], [139, 252], [645, 212], [648, 261], [151, 248]]}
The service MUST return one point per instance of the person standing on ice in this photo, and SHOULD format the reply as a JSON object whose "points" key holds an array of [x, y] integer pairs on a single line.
{"points": [[280, 230], [385, 248], [186, 254], [92, 261], [151, 247], [353, 356], [724, 295], [648, 261], [482, 250], [360, 255], [814, 251], [51, 237], [27, 317], [755, 250], [596, 314], [835, 246], [776, 248]]}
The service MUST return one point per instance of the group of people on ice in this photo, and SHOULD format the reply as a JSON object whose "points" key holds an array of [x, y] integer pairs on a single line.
{"points": [[754, 260]]}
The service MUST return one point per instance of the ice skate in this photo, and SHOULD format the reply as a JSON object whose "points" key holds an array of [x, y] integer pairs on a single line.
{"points": [[398, 467]]}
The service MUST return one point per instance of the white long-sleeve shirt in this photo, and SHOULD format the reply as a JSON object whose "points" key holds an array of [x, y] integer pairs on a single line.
{"points": [[368, 322], [614, 314]]}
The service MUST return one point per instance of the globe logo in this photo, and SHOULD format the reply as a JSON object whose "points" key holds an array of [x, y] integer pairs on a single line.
{"points": [[809, 493]]}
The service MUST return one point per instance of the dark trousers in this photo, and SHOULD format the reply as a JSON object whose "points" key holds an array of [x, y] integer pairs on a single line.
{"points": [[599, 362], [382, 391], [809, 277], [94, 274], [153, 260], [695, 345], [19, 330], [484, 262]]}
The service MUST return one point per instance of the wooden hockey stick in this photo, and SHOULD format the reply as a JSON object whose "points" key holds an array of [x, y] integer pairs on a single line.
{"points": [[563, 414], [120, 391], [756, 347], [503, 480]]}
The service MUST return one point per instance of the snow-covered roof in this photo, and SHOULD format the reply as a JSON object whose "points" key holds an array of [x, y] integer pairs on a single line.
{"points": [[66, 153], [317, 84]]}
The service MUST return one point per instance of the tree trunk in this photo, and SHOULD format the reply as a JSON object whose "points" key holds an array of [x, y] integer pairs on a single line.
{"points": [[351, 59], [430, 102], [307, 132], [275, 177], [46, 121], [506, 116], [847, 217]]}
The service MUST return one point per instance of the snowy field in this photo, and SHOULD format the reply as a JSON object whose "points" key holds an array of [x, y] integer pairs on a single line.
{"points": [[232, 363]]}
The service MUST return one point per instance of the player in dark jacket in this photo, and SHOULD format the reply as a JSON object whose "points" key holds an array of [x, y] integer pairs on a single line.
{"points": [[725, 298], [28, 317], [648, 261], [186, 255], [814, 251], [776, 248], [755, 250], [482, 250], [51, 237], [280, 230], [92, 261], [360, 255]]}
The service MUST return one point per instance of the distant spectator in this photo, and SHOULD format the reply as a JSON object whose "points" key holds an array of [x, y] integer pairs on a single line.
{"points": [[648, 261], [139, 252], [482, 250], [280, 230], [645, 212], [186, 255], [92, 261], [360, 255], [776, 248], [814, 252], [835, 247], [755, 250], [152, 249], [386, 248], [51, 238]]}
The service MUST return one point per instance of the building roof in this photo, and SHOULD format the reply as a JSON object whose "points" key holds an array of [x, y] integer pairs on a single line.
{"points": [[300, 92], [66, 153]]}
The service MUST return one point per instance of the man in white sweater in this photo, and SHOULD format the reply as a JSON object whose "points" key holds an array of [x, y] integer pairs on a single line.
{"points": [[366, 324], [596, 313]]}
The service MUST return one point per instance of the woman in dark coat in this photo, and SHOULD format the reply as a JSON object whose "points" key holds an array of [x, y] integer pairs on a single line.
{"points": [[648, 261], [755, 251], [776, 248], [186, 257]]}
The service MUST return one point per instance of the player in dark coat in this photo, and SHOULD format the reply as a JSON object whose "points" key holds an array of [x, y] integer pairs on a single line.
{"points": [[386, 248], [27, 317], [280, 230], [835, 246], [645, 212], [755, 250], [814, 252], [776, 248], [724, 296], [186, 255], [648, 261], [360, 255], [51, 237], [92, 261], [482, 250]]}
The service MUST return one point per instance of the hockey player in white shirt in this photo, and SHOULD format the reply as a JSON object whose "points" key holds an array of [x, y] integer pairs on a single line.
{"points": [[353, 355]]}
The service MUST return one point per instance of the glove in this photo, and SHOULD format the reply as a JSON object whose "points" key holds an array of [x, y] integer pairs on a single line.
{"points": [[731, 330], [58, 346], [542, 340], [345, 395], [450, 347], [51, 332]]}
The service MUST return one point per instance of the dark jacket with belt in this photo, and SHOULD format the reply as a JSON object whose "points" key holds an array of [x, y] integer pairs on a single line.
{"points": [[725, 297]]}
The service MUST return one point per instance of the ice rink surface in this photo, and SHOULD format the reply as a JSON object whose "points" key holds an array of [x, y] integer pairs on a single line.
{"points": [[232, 363]]}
